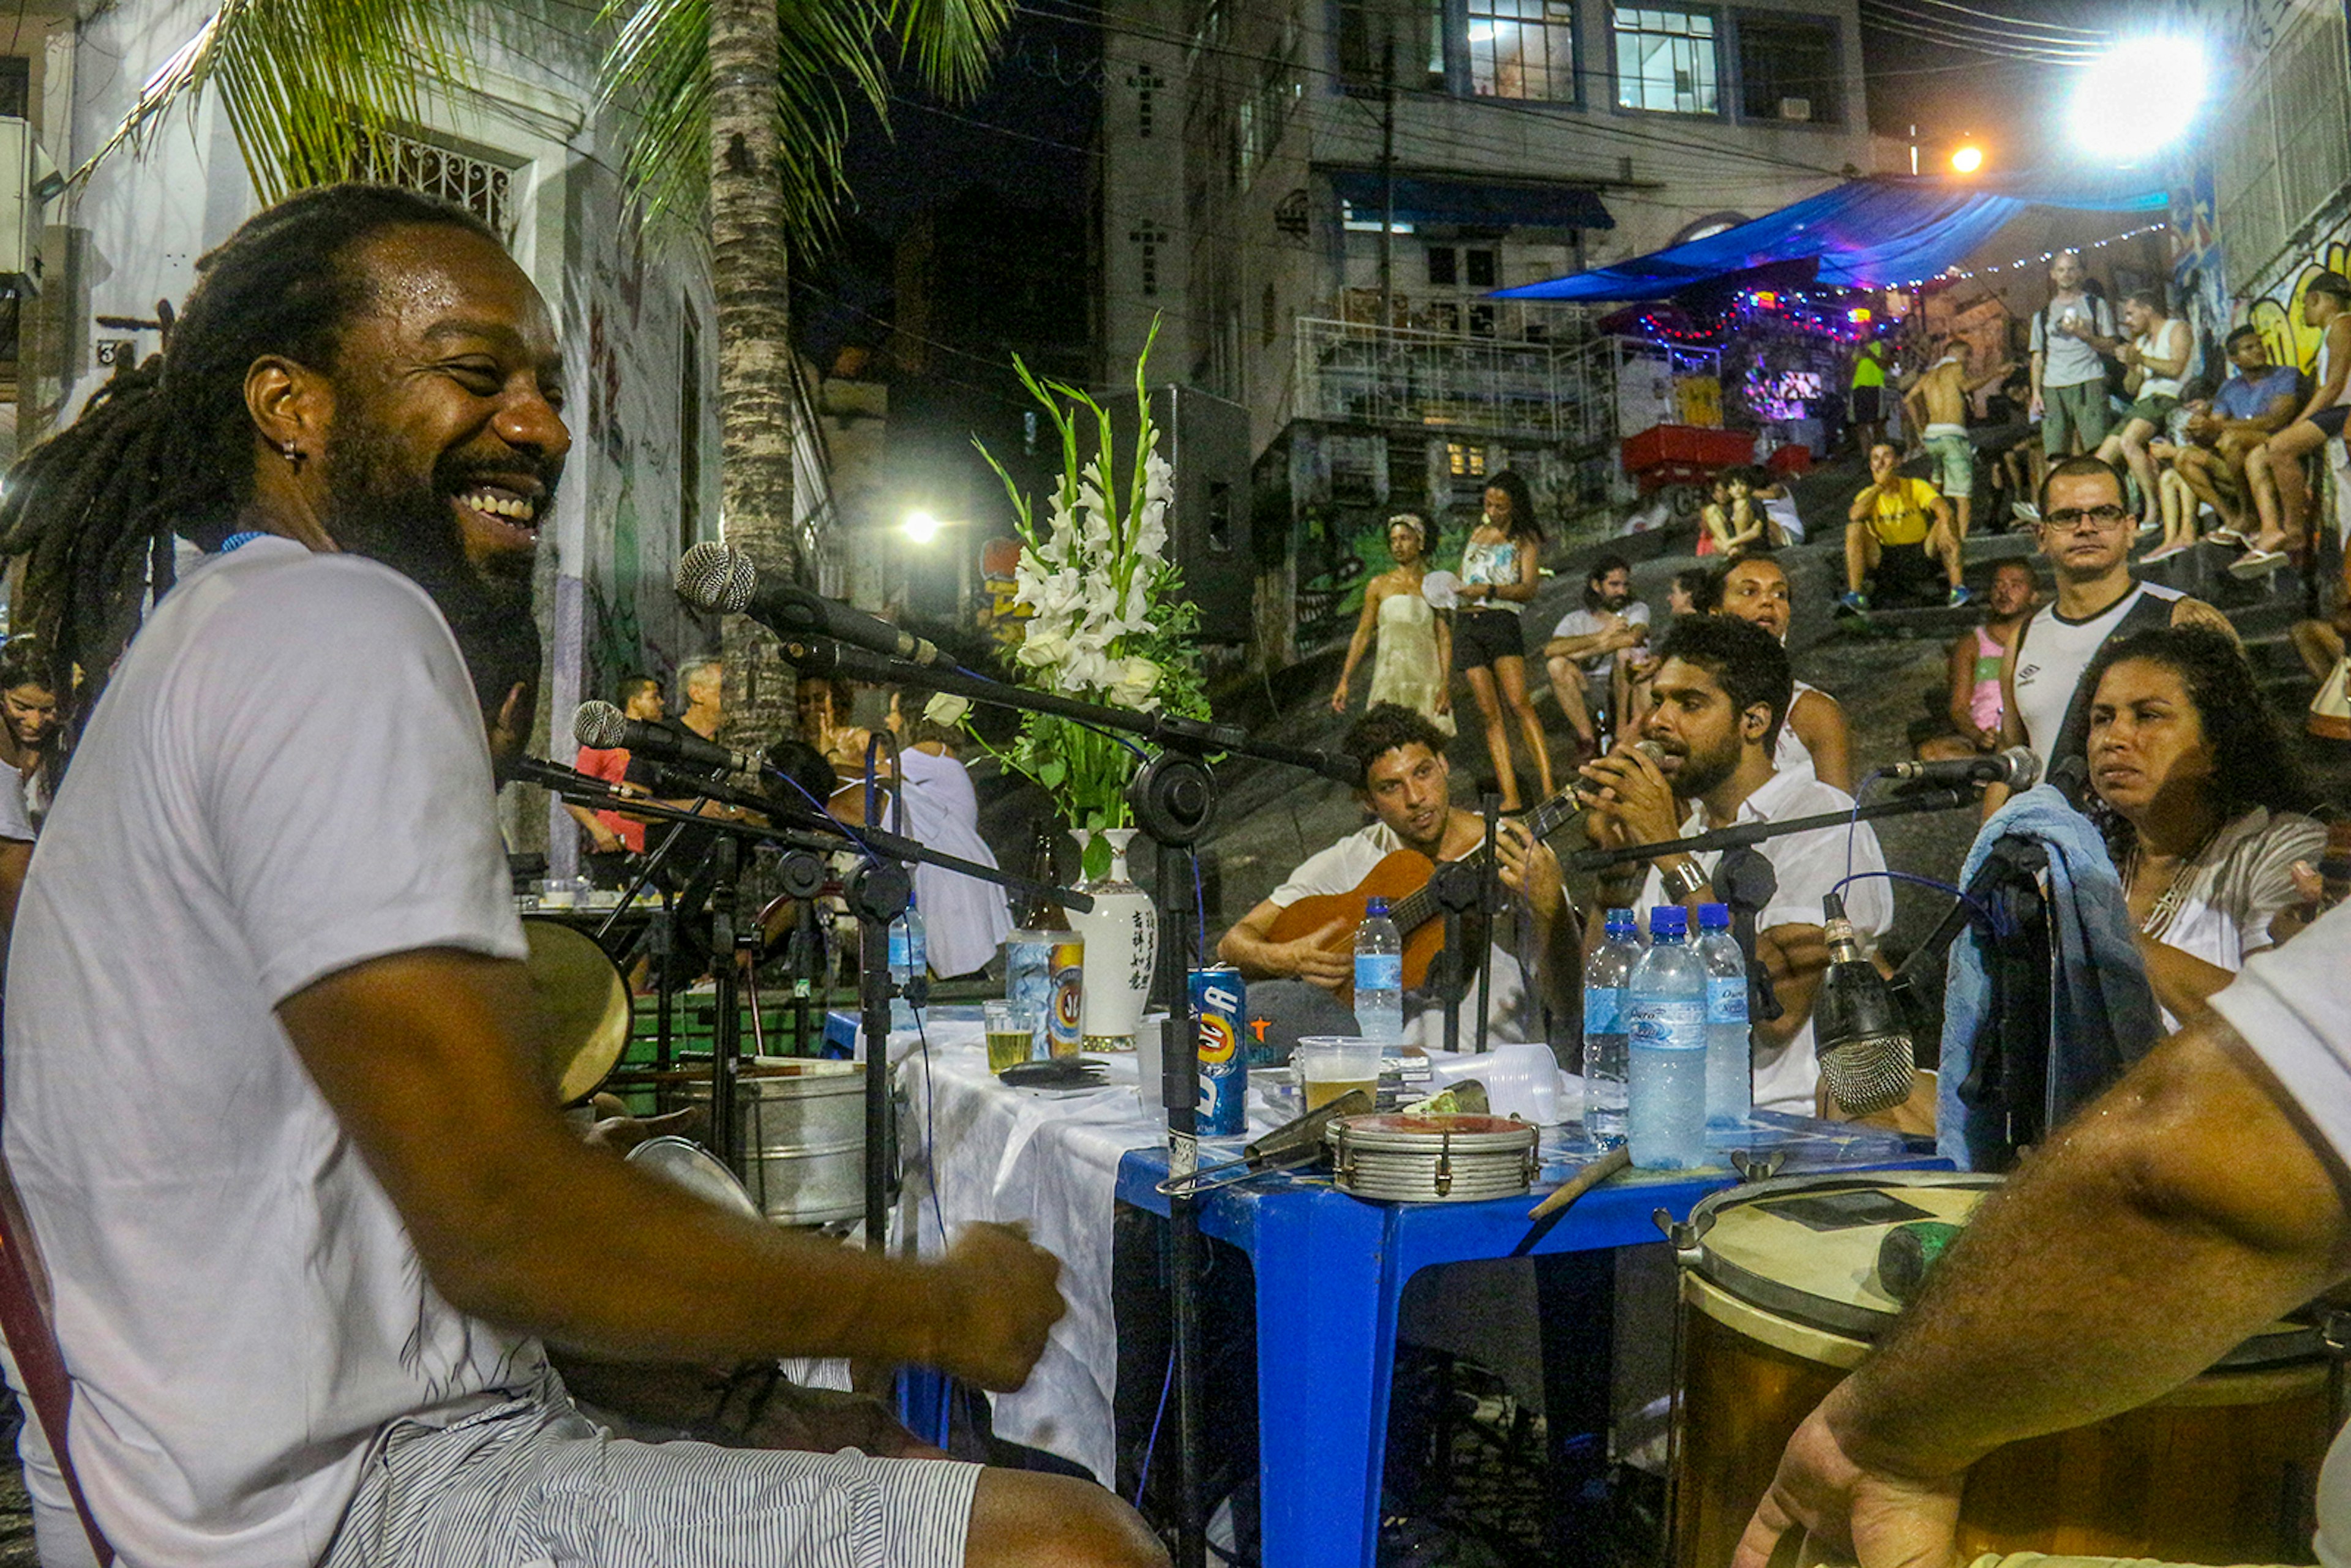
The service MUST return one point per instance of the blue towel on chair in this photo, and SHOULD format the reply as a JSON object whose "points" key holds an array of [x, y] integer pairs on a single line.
{"points": [[2103, 1015]]}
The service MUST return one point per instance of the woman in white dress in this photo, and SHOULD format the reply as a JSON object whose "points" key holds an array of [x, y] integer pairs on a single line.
{"points": [[1414, 664], [2202, 802]]}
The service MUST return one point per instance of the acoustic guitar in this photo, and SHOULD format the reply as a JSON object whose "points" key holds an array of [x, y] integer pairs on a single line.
{"points": [[1402, 878]]}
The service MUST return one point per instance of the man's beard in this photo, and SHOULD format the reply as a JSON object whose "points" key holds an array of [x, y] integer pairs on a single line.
{"points": [[1701, 772], [410, 526]]}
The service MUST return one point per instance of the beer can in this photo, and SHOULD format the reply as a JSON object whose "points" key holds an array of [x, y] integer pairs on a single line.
{"points": [[1064, 1029], [1029, 981], [1217, 1002]]}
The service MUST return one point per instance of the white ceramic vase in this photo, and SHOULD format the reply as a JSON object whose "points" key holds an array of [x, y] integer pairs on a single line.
{"points": [[1122, 933]]}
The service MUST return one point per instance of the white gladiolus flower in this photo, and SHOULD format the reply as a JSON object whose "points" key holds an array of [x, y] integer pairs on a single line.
{"points": [[1135, 684], [1042, 647], [945, 708]]}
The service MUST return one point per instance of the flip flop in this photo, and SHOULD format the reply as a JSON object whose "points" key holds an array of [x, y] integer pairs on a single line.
{"points": [[2165, 553], [2257, 563], [2228, 537]]}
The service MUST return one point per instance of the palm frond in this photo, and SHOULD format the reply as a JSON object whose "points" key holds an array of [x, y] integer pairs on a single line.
{"points": [[658, 72], [950, 42], [306, 84]]}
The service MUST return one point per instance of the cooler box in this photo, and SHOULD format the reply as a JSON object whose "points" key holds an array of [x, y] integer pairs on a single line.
{"points": [[1794, 458], [1687, 446]]}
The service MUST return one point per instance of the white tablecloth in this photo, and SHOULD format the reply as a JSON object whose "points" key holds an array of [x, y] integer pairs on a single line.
{"points": [[976, 1150], [1049, 1161]]}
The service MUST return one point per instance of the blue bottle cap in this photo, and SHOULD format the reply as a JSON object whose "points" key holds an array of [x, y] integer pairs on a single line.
{"points": [[1713, 917], [1623, 923], [1375, 908], [1668, 920]]}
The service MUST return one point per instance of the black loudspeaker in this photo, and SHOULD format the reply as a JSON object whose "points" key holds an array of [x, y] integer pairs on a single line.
{"points": [[1207, 440]]}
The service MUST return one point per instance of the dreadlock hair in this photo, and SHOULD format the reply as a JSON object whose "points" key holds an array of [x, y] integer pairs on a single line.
{"points": [[166, 448]]}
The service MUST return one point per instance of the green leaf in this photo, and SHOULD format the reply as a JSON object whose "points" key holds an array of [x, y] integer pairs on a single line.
{"points": [[1051, 771], [1097, 857]]}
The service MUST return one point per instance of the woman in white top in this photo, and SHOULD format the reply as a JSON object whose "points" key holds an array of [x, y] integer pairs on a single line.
{"points": [[1414, 664], [2159, 348], [1500, 572], [1814, 739], [2202, 802]]}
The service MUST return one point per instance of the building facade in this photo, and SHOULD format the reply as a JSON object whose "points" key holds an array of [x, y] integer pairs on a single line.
{"points": [[525, 149], [1315, 196]]}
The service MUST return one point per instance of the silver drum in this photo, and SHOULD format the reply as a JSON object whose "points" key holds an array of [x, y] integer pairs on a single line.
{"points": [[800, 1128]]}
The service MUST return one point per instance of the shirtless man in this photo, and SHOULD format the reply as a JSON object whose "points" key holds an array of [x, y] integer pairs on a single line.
{"points": [[1937, 406]]}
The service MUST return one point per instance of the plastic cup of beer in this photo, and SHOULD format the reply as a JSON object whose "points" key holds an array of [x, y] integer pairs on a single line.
{"points": [[1329, 1065], [1011, 1032]]}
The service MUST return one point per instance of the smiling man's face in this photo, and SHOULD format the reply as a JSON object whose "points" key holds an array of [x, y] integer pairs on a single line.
{"points": [[447, 436]]}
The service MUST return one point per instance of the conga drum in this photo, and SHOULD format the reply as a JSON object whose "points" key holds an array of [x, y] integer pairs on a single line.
{"points": [[1779, 1298]]}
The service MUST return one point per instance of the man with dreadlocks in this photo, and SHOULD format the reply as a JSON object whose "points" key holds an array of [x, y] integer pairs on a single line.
{"points": [[271, 1103]]}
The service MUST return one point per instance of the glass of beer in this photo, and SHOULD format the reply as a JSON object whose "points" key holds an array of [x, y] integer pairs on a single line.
{"points": [[1011, 1032], [1329, 1065]]}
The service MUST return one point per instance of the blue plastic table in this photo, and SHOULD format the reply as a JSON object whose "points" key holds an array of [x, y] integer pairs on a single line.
{"points": [[1330, 1272]]}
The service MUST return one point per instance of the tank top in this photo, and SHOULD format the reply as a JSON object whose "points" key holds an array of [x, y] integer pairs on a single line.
{"points": [[1496, 565], [1983, 701], [2051, 652], [1790, 754], [2326, 358], [2151, 384]]}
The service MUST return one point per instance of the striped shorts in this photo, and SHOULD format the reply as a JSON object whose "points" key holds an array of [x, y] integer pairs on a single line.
{"points": [[532, 1482]]}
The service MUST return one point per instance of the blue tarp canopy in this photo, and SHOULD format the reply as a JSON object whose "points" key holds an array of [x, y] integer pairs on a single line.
{"points": [[1472, 202], [1877, 233]]}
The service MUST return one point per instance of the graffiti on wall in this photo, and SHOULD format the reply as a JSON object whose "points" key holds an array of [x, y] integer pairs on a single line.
{"points": [[2277, 313]]}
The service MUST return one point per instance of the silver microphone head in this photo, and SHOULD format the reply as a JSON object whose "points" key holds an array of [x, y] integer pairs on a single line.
{"points": [[599, 725], [717, 576], [2023, 769], [1874, 1073]]}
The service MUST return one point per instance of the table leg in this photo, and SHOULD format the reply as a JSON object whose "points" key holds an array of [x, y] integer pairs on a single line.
{"points": [[1325, 1355]]}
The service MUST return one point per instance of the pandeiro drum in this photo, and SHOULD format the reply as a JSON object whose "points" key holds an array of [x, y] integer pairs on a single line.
{"points": [[1781, 1297], [583, 1008]]}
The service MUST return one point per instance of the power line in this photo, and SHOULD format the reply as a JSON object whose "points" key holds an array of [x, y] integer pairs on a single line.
{"points": [[1892, 17], [2092, 35]]}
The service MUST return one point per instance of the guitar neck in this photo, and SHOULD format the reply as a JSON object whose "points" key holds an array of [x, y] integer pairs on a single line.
{"points": [[1419, 907]]}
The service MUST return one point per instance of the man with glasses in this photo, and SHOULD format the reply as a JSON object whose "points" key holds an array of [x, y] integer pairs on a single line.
{"points": [[2085, 534]]}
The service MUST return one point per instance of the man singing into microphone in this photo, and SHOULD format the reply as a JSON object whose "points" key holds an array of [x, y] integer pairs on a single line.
{"points": [[1722, 690], [301, 1306]]}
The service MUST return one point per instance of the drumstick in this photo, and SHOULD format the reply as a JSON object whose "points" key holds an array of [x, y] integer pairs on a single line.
{"points": [[1550, 1212]]}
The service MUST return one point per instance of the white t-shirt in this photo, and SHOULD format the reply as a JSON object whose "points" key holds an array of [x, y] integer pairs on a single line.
{"points": [[287, 776], [1584, 621], [1807, 866], [2238, 886], [2055, 652], [15, 819], [2293, 1006], [1342, 868], [964, 919]]}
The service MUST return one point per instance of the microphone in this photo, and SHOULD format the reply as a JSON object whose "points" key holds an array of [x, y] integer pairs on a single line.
{"points": [[2016, 767], [603, 726], [714, 575], [1865, 1050]]}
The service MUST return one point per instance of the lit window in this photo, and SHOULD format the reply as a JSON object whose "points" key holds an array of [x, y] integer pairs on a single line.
{"points": [[1522, 48], [1666, 60], [1367, 221], [1464, 461]]}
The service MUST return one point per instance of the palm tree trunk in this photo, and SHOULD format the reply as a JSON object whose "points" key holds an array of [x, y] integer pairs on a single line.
{"points": [[749, 279]]}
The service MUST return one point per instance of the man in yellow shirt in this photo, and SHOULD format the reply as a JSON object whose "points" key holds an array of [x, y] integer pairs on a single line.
{"points": [[1895, 514]]}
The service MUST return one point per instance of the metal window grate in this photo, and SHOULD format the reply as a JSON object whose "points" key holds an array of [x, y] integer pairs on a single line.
{"points": [[2282, 147], [481, 186]]}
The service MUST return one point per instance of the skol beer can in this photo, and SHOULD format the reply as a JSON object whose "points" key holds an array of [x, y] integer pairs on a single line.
{"points": [[1064, 1031], [1216, 1002]]}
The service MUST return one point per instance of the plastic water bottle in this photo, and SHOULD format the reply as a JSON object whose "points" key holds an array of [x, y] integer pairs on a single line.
{"points": [[1379, 977], [1604, 1068], [1729, 1086], [1666, 1001], [909, 957]]}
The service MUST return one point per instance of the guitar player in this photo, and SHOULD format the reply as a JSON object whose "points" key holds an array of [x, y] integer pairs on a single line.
{"points": [[1721, 692], [1296, 986]]}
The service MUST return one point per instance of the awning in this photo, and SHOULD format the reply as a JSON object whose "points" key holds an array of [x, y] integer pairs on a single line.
{"points": [[1472, 204], [1880, 233]]}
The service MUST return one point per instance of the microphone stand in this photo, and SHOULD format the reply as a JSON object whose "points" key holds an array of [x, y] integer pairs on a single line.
{"points": [[1909, 804], [1174, 798], [878, 893]]}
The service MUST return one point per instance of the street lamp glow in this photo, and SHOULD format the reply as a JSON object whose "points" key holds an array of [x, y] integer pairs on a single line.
{"points": [[921, 528], [1967, 160], [2139, 96]]}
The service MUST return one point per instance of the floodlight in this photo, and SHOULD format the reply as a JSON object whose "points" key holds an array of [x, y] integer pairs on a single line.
{"points": [[922, 527], [1967, 160], [2139, 96]]}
